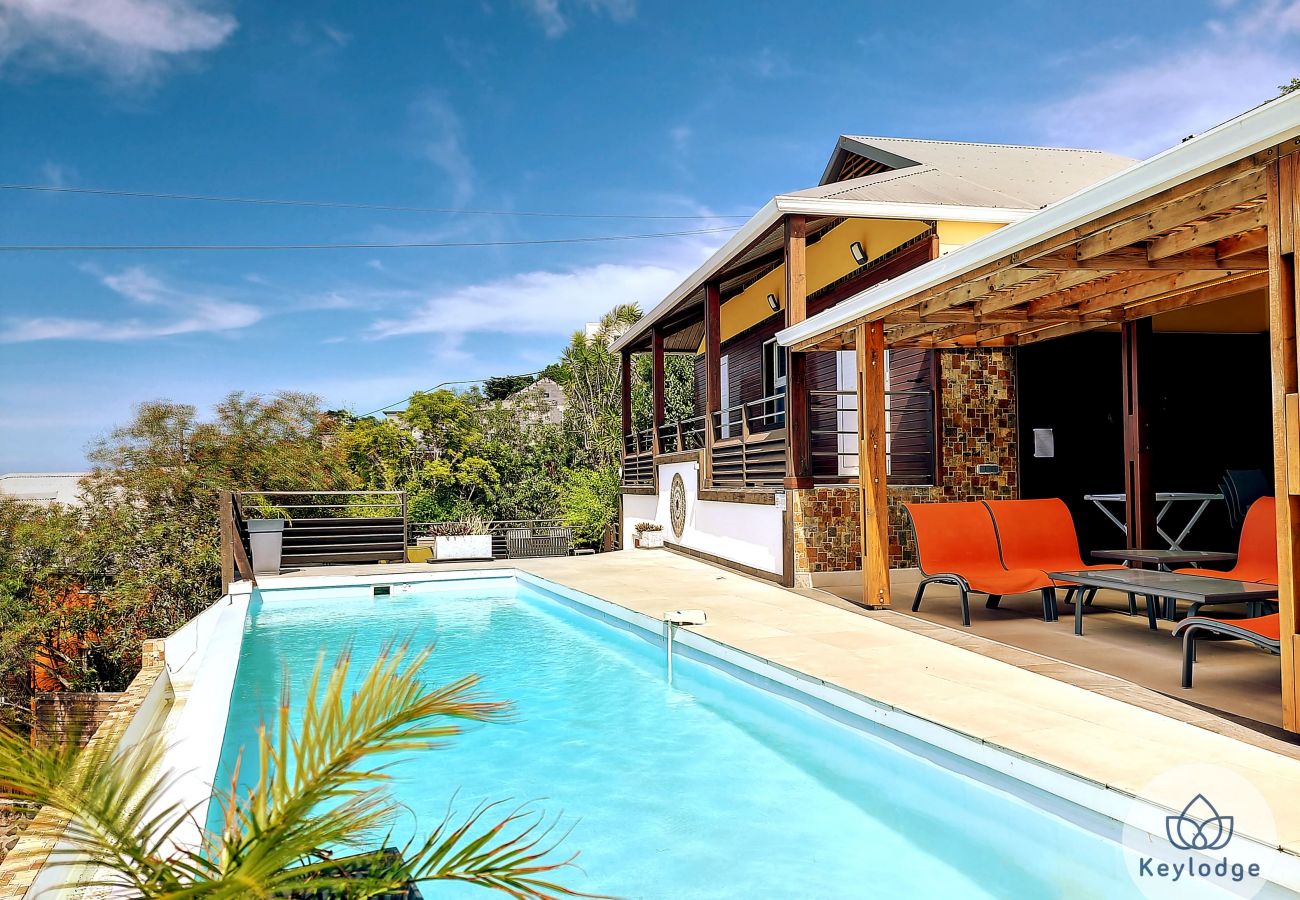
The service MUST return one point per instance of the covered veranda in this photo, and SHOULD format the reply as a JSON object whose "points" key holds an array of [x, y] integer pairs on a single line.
{"points": [[1209, 224]]}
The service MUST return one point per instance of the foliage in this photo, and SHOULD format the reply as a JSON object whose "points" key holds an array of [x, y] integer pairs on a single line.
{"points": [[80, 590], [589, 503], [321, 787], [679, 389], [642, 527], [1290, 87], [503, 387], [593, 416]]}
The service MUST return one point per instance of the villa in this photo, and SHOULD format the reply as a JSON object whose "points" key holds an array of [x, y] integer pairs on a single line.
{"points": [[948, 370], [769, 462]]}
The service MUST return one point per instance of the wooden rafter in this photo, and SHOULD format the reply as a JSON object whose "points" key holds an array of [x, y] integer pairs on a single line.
{"points": [[1207, 232], [1137, 258], [1207, 202]]}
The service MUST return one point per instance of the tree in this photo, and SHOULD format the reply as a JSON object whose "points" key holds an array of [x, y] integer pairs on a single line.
{"points": [[320, 789], [1290, 86], [589, 498], [80, 590], [679, 389], [593, 416], [503, 387]]}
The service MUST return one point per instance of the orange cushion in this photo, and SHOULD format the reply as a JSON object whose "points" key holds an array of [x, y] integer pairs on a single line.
{"points": [[1036, 534], [958, 538], [1257, 549], [1269, 627]]}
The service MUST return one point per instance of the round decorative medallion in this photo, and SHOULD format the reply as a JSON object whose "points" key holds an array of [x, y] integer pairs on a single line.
{"points": [[677, 505]]}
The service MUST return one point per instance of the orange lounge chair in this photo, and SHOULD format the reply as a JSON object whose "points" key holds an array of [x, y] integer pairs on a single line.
{"points": [[1262, 631], [1256, 550], [957, 544], [1039, 534]]}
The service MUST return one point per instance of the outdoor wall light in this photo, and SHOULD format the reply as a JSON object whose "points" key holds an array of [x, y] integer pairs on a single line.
{"points": [[773, 302], [859, 254]]}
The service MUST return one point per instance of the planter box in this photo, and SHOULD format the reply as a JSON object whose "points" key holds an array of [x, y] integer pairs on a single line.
{"points": [[266, 538], [650, 540], [465, 546]]}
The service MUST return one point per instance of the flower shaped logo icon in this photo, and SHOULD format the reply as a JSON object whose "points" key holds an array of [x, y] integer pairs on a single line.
{"points": [[1199, 826]]}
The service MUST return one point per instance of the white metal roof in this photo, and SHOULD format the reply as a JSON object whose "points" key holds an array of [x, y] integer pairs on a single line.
{"points": [[44, 487], [1265, 126]]}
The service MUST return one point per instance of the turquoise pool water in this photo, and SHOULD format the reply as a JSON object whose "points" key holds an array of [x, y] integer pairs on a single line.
{"points": [[710, 788]]}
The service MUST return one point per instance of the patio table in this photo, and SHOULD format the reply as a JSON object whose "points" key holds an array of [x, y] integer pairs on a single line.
{"points": [[1198, 590], [1164, 559], [1168, 498]]}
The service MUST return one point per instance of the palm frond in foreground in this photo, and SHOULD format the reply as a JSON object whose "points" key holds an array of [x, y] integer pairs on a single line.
{"points": [[318, 791]]}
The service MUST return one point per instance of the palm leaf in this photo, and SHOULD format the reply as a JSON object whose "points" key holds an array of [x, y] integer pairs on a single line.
{"points": [[320, 786]]}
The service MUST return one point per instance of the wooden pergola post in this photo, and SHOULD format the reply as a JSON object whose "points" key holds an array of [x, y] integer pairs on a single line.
{"points": [[712, 372], [798, 463], [226, 520], [1140, 496], [1284, 217], [657, 383], [873, 501]]}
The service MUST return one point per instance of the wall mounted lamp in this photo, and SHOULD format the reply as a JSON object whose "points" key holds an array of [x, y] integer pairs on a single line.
{"points": [[773, 302], [859, 254]]}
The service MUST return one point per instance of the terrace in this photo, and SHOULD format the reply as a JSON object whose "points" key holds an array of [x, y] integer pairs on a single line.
{"points": [[1198, 242]]}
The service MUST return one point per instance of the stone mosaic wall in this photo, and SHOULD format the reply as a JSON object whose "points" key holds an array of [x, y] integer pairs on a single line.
{"points": [[978, 418]]}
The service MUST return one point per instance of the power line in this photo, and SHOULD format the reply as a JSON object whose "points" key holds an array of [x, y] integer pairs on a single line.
{"points": [[114, 248], [330, 204], [444, 384]]}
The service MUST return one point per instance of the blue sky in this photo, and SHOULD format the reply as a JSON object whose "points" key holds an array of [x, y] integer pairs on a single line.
{"points": [[590, 106]]}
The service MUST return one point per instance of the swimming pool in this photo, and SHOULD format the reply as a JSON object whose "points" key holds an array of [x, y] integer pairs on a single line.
{"points": [[710, 788]]}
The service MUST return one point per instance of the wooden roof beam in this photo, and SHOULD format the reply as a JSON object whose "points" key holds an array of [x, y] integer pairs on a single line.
{"points": [[1057, 331], [972, 316], [1203, 203], [1137, 258], [1249, 242], [977, 288], [1032, 290], [1170, 283], [1096, 287], [1208, 232], [1221, 290]]}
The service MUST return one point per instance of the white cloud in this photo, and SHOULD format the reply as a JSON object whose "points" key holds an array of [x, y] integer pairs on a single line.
{"points": [[56, 174], [1233, 63], [442, 142], [544, 302], [126, 39], [554, 15], [172, 311]]}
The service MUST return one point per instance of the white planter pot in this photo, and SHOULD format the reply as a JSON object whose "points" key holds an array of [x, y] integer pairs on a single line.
{"points": [[465, 546], [266, 537], [651, 540]]}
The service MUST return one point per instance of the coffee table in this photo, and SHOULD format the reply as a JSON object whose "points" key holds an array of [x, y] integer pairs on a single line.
{"points": [[1166, 558], [1198, 590]]}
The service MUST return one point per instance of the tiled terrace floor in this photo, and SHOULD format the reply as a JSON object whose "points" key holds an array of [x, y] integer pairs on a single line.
{"points": [[1101, 735], [1232, 679]]}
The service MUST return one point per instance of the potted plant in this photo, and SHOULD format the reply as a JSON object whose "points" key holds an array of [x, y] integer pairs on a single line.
{"points": [[470, 538], [266, 536], [649, 535]]}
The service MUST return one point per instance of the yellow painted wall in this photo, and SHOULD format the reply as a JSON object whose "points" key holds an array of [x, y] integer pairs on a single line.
{"points": [[953, 234], [829, 260]]}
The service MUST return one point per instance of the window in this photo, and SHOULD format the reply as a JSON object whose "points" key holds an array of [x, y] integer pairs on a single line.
{"points": [[911, 383], [774, 378]]}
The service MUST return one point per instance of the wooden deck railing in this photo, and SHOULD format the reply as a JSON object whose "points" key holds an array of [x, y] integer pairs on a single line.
{"points": [[749, 444], [910, 447]]}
